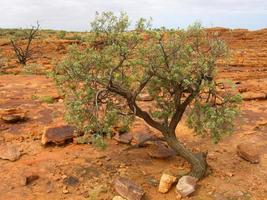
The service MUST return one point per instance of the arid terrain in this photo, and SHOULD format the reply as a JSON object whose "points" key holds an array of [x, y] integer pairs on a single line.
{"points": [[81, 171]]}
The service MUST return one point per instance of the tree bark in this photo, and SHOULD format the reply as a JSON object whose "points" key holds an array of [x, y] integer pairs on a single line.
{"points": [[197, 161]]}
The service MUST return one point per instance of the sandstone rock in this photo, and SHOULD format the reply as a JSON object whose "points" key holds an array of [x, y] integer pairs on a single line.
{"points": [[58, 135], [142, 134], [13, 115], [144, 97], [118, 198], [160, 151], [125, 138], [248, 152], [29, 178], [10, 152], [166, 182], [186, 185], [127, 189]]}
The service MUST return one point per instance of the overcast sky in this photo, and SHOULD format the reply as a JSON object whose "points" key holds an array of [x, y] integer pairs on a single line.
{"points": [[77, 14]]}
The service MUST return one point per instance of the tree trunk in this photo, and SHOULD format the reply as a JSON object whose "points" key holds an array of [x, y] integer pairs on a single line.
{"points": [[198, 161]]}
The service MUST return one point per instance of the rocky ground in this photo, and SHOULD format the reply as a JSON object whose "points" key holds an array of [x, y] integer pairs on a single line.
{"points": [[30, 170]]}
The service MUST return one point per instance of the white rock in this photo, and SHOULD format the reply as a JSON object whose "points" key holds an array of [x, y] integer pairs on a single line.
{"points": [[166, 182], [186, 185]]}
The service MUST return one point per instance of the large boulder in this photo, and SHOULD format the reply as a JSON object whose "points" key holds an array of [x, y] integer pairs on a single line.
{"points": [[186, 185], [128, 190], [58, 135]]}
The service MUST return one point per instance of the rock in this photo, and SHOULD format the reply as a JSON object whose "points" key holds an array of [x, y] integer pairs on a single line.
{"points": [[29, 178], [10, 152], [186, 185], [127, 189], [118, 198], [13, 115], [144, 97], [125, 138], [160, 151], [71, 180], [248, 152], [166, 182], [141, 135], [58, 135], [65, 190]]}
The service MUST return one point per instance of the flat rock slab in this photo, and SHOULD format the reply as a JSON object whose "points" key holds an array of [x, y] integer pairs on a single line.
{"points": [[248, 152], [13, 115], [58, 135], [124, 138], [160, 151], [186, 185], [10, 152], [128, 190]]}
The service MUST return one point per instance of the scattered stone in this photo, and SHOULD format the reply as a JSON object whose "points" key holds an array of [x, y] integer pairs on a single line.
{"points": [[58, 135], [127, 189], [118, 198], [144, 97], [160, 151], [65, 190], [71, 180], [124, 138], [166, 182], [10, 152], [248, 152], [142, 135], [29, 178], [13, 115], [186, 185]]}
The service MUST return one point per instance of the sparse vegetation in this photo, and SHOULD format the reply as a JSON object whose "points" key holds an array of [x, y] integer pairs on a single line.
{"points": [[23, 54], [175, 67]]}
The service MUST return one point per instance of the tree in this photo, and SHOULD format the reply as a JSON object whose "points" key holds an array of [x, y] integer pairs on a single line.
{"points": [[103, 81], [24, 54]]}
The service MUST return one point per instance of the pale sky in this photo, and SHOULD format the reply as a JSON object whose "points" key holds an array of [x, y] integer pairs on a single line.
{"points": [[76, 14]]}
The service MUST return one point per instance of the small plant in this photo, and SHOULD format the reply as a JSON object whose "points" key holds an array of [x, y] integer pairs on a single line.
{"points": [[23, 54], [32, 68], [61, 34], [47, 99], [99, 141]]}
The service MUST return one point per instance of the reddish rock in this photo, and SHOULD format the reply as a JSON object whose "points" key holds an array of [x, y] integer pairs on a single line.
{"points": [[10, 152], [13, 115], [125, 138], [248, 152], [29, 178], [127, 189], [58, 135], [160, 151], [186, 185]]}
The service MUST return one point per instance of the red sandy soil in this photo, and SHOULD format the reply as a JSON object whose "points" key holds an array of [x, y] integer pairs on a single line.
{"points": [[232, 178]]}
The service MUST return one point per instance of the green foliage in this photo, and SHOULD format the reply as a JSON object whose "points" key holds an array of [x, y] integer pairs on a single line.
{"points": [[61, 34], [99, 141], [47, 99], [176, 67]]}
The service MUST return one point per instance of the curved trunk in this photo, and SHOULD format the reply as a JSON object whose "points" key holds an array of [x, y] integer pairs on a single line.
{"points": [[198, 161]]}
